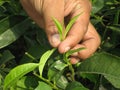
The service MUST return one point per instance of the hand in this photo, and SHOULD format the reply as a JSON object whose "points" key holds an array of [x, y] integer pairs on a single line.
{"points": [[90, 42], [42, 11]]}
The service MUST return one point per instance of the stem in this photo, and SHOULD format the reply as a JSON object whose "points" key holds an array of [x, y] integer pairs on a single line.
{"points": [[72, 71], [47, 81], [66, 59]]}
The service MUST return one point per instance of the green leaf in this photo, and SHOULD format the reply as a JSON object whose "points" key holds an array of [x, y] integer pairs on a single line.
{"points": [[116, 18], [55, 74], [105, 64], [68, 27], [59, 65], [43, 86], [73, 51], [44, 59], [11, 28], [59, 27], [75, 86], [27, 83], [97, 5], [6, 56], [62, 82], [3, 1], [18, 72]]}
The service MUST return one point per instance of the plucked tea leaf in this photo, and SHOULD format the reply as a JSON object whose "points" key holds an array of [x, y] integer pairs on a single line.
{"points": [[59, 27], [72, 21], [18, 72], [73, 51], [103, 63], [44, 59]]}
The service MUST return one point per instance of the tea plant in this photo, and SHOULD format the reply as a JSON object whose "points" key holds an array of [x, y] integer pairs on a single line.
{"points": [[27, 61], [21, 70]]}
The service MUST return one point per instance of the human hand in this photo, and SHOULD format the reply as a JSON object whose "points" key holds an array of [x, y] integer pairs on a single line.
{"points": [[41, 12]]}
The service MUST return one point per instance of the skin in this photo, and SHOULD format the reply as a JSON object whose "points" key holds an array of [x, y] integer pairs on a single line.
{"points": [[82, 33]]}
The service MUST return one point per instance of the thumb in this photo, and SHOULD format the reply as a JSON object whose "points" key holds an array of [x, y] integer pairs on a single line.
{"points": [[53, 8]]}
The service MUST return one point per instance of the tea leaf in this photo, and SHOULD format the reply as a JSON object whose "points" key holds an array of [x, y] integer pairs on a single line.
{"points": [[43, 86], [59, 27], [103, 63], [75, 86], [18, 72], [44, 59], [53, 73], [68, 27], [73, 51], [62, 82], [6, 56], [11, 28]]}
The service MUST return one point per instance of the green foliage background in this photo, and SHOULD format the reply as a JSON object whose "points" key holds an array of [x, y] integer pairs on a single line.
{"points": [[22, 41]]}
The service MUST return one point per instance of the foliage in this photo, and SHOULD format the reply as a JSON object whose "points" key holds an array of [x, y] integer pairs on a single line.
{"points": [[27, 61]]}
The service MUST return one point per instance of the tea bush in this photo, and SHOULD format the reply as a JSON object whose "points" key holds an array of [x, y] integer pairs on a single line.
{"points": [[28, 62]]}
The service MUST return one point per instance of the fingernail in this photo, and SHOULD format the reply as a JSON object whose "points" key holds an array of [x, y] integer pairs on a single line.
{"points": [[55, 39], [66, 49], [74, 61], [75, 54]]}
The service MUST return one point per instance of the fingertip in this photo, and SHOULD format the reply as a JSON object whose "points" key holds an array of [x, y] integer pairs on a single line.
{"points": [[54, 40], [74, 60]]}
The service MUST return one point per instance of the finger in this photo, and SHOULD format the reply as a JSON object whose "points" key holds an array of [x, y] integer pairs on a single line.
{"points": [[79, 28], [53, 8], [74, 60], [32, 12], [91, 42]]}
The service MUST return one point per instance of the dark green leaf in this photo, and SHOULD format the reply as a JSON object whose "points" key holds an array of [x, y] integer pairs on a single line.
{"points": [[105, 64], [27, 83], [62, 82], [7, 55], [97, 5], [75, 86], [53, 73], [12, 28]]}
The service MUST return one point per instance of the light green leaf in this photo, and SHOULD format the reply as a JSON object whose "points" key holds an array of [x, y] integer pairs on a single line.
{"points": [[3, 1], [103, 63], [11, 28], [68, 27], [43, 86], [59, 27], [18, 72], [44, 59], [73, 51], [75, 86]]}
